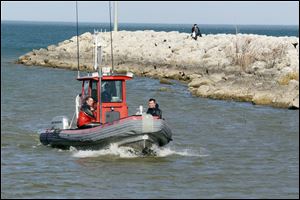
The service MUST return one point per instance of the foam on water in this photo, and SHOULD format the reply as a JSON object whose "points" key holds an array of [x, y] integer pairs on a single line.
{"points": [[128, 152], [168, 151], [114, 150]]}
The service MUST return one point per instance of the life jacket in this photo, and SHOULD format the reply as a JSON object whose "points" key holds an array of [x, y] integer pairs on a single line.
{"points": [[84, 119]]}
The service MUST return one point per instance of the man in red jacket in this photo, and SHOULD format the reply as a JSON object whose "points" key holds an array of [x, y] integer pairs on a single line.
{"points": [[86, 114]]}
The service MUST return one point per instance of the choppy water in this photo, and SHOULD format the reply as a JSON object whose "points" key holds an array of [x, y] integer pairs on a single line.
{"points": [[221, 149]]}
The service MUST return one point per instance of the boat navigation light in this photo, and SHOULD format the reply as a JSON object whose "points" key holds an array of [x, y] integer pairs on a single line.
{"points": [[95, 74], [141, 109], [106, 70], [129, 74]]}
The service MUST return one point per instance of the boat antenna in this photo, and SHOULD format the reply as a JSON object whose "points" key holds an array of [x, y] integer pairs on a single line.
{"points": [[111, 44], [77, 40], [115, 16]]}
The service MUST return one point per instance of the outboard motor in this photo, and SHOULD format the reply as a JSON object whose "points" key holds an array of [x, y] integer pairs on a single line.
{"points": [[60, 122]]}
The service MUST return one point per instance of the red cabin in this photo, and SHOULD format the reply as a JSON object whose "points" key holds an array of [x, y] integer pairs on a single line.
{"points": [[113, 95]]}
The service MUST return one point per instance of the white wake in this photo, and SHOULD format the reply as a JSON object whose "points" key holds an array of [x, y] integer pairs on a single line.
{"points": [[128, 152]]}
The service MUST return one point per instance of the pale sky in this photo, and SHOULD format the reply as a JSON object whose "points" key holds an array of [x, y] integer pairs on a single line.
{"points": [[181, 12]]}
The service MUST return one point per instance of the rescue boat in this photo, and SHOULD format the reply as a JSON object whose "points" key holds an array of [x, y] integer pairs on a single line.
{"points": [[112, 124]]}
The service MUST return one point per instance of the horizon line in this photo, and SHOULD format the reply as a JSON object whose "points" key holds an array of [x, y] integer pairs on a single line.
{"points": [[36, 21]]}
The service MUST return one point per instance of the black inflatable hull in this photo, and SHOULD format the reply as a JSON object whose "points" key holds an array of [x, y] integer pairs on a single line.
{"points": [[138, 132]]}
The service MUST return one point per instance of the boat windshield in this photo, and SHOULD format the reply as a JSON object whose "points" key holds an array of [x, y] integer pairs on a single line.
{"points": [[111, 91], [94, 93], [85, 89]]}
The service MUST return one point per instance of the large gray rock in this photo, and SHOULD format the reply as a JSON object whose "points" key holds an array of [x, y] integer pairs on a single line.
{"points": [[247, 67], [295, 103]]}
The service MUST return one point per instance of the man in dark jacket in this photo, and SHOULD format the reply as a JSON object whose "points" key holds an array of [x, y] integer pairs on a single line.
{"points": [[196, 32], [153, 109]]}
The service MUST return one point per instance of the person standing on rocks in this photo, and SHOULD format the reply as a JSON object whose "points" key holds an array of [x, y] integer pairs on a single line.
{"points": [[196, 32]]}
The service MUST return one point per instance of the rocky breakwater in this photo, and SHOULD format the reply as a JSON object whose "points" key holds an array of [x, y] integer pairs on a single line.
{"points": [[259, 69]]}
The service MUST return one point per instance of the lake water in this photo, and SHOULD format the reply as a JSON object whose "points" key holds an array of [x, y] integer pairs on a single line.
{"points": [[220, 149]]}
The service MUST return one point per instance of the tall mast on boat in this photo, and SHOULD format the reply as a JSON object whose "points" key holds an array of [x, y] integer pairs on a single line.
{"points": [[98, 60], [77, 40], [115, 15], [111, 45], [96, 52]]}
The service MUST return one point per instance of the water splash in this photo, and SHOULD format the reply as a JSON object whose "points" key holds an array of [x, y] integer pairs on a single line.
{"points": [[114, 150], [128, 152], [169, 151]]}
